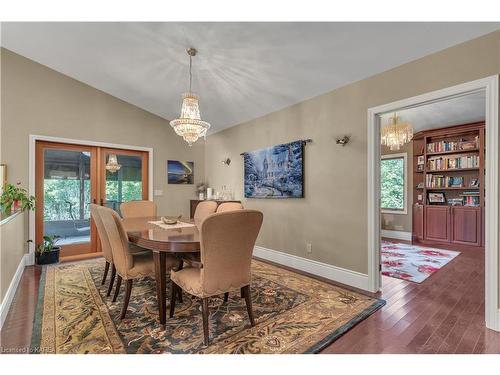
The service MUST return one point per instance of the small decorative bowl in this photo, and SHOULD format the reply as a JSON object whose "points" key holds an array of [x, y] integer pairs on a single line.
{"points": [[169, 221]]}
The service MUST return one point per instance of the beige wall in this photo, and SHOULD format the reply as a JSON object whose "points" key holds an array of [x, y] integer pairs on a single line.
{"points": [[401, 222], [12, 249], [333, 214], [38, 100]]}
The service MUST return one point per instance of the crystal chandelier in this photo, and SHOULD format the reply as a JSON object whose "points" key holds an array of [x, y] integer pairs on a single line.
{"points": [[112, 164], [189, 125], [395, 134]]}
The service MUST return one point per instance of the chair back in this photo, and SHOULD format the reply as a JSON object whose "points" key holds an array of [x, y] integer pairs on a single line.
{"points": [[118, 239], [203, 209], [229, 206], [227, 240], [138, 209], [103, 236]]}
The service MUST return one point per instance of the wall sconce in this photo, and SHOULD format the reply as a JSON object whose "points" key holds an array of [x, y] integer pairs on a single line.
{"points": [[343, 141], [226, 161]]}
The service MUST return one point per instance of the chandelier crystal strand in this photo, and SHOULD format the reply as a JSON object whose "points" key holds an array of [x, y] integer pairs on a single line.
{"points": [[395, 134], [189, 125]]}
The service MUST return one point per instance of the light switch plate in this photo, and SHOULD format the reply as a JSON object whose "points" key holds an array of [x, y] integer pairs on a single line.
{"points": [[158, 193]]}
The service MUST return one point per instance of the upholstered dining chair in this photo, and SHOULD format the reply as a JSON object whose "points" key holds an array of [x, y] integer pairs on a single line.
{"points": [[138, 209], [229, 206], [105, 247], [129, 265], [227, 240], [203, 209]]}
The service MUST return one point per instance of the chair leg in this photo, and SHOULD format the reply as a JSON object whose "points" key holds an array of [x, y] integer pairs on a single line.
{"points": [[245, 291], [106, 269], [173, 295], [204, 308], [226, 297], [179, 290], [112, 281], [241, 293], [117, 288], [128, 291]]}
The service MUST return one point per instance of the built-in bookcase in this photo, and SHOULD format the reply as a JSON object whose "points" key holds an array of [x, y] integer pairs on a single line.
{"points": [[448, 192]]}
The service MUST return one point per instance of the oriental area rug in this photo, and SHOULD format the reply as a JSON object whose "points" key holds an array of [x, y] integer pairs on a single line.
{"points": [[413, 263], [294, 314]]}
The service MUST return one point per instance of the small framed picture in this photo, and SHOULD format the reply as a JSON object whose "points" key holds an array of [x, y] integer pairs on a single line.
{"points": [[474, 182], [436, 198]]}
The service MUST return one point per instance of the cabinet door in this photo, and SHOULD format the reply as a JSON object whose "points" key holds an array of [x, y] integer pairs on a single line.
{"points": [[466, 225], [437, 223], [418, 222]]}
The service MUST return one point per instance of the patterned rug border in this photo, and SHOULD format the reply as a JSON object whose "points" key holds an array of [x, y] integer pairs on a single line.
{"points": [[36, 335], [319, 346], [339, 332]]}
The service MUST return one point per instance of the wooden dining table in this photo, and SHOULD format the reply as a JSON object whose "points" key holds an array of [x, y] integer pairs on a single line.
{"points": [[163, 243]]}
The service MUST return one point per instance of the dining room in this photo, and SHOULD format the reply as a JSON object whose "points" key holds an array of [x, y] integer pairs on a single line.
{"points": [[204, 188]]}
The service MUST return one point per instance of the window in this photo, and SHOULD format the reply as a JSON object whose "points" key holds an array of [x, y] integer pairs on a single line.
{"points": [[393, 175]]}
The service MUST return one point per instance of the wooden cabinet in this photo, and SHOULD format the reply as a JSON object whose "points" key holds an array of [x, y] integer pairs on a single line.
{"points": [[437, 223], [466, 225], [418, 222]]}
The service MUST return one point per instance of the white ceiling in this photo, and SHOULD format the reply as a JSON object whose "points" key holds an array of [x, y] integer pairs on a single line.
{"points": [[243, 70], [456, 111]]}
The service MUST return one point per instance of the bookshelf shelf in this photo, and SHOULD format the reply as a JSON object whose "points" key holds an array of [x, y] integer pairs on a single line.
{"points": [[451, 170], [451, 188], [453, 152]]}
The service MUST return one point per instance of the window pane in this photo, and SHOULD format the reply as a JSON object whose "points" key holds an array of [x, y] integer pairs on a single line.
{"points": [[392, 184], [66, 195]]}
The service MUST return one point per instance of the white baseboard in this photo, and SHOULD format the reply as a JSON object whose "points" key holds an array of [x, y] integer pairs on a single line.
{"points": [[396, 234], [338, 274], [9, 296]]}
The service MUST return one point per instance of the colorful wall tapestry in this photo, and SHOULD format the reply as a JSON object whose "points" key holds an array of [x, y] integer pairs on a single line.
{"points": [[275, 172]]}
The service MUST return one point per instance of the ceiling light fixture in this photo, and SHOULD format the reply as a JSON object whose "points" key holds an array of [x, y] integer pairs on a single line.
{"points": [[189, 125], [395, 134]]}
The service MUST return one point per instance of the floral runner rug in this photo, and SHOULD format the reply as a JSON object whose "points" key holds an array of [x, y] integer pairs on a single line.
{"points": [[294, 314], [413, 263]]}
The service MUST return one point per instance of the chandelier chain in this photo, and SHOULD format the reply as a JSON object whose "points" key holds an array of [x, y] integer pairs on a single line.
{"points": [[190, 73]]}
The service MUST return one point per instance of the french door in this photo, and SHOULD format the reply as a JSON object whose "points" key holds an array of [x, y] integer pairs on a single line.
{"points": [[69, 177]]}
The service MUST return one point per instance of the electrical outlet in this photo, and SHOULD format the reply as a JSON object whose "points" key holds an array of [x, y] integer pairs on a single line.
{"points": [[309, 248]]}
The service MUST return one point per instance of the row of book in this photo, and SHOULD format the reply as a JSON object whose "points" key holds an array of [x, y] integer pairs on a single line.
{"points": [[437, 181], [445, 146], [438, 163]]}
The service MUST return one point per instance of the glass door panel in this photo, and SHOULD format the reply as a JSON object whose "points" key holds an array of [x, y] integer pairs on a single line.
{"points": [[64, 192], [126, 184]]}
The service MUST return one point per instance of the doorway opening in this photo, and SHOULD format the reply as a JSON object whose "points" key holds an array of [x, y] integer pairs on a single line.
{"points": [[466, 221], [68, 177]]}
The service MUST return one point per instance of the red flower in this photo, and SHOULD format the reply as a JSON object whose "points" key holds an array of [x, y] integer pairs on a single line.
{"points": [[427, 269], [433, 253], [392, 263]]}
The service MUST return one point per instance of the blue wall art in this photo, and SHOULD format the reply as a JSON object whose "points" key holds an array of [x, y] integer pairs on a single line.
{"points": [[180, 172], [275, 172]]}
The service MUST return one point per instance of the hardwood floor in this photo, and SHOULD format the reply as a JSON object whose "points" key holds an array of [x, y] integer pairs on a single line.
{"points": [[444, 314]]}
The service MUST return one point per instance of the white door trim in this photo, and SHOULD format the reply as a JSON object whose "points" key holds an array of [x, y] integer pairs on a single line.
{"points": [[490, 86], [32, 141]]}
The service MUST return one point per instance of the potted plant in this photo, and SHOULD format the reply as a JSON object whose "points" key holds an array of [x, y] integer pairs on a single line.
{"points": [[47, 252], [14, 198]]}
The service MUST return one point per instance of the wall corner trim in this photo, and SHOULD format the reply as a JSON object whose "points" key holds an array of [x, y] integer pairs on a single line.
{"points": [[396, 234], [11, 291], [328, 271]]}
